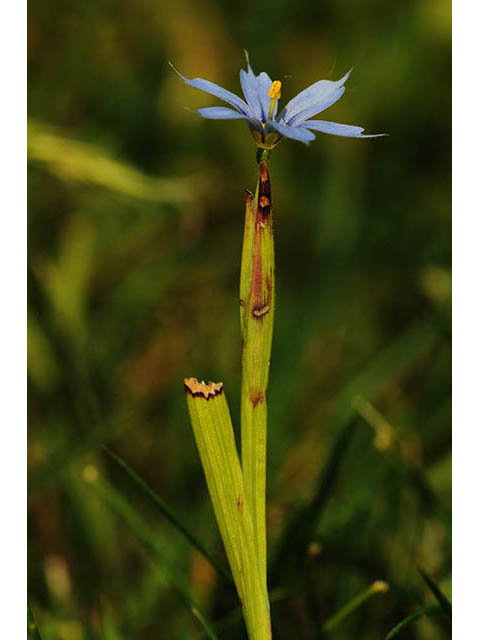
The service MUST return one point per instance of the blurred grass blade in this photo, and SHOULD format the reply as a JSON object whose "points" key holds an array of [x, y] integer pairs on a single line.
{"points": [[301, 527], [379, 586], [168, 512], [213, 431], [84, 162], [430, 610], [209, 632], [33, 632], [115, 500], [441, 598]]}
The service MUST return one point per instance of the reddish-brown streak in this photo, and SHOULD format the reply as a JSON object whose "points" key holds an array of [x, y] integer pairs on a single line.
{"points": [[259, 311], [263, 171], [264, 192], [259, 306], [256, 398], [240, 503], [257, 280]]}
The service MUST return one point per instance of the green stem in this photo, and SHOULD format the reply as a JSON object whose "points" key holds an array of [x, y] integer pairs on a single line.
{"points": [[256, 315]]}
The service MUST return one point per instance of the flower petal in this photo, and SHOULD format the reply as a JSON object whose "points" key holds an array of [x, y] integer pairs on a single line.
{"points": [[249, 88], [220, 113], [317, 108], [216, 90], [318, 95], [296, 133], [264, 84], [336, 129], [255, 89]]}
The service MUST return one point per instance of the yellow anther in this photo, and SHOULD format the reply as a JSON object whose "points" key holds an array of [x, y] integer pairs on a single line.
{"points": [[275, 92]]}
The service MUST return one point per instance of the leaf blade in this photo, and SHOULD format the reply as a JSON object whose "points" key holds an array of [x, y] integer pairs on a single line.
{"points": [[168, 512], [429, 610], [441, 598]]}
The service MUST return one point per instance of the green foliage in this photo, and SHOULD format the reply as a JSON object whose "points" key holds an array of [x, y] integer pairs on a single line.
{"points": [[441, 598], [430, 610], [32, 629], [169, 513], [135, 234]]}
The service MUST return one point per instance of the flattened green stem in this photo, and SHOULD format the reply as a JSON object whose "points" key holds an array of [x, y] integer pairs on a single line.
{"points": [[212, 428], [379, 586], [257, 293]]}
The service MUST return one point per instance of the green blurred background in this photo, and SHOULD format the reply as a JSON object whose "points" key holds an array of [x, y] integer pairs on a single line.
{"points": [[135, 230]]}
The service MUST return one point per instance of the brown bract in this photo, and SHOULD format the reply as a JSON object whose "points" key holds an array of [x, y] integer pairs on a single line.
{"points": [[203, 389]]}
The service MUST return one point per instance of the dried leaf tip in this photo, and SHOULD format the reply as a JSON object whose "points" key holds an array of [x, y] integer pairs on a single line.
{"points": [[203, 389], [248, 195]]}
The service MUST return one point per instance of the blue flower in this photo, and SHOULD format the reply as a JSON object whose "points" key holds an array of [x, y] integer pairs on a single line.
{"points": [[260, 106]]}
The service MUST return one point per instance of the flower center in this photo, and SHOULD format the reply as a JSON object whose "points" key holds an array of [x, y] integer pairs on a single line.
{"points": [[275, 92]]}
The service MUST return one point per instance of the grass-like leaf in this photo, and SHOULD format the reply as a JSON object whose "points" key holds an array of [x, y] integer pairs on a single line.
{"points": [[168, 512], [209, 632], [83, 162], [430, 610], [146, 538], [441, 598]]}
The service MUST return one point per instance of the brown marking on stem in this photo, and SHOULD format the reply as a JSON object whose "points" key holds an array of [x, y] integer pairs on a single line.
{"points": [[202, 389], [257, 276], [259, 312], [263, 201], [240, 503], [248, 195], [264, 191], [242, 302], [256, 398], [260, 300], [263, 171]]}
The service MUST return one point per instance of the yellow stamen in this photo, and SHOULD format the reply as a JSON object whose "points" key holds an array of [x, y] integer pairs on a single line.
{"points": [[274, 93]]}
